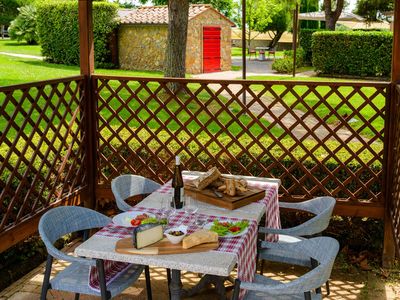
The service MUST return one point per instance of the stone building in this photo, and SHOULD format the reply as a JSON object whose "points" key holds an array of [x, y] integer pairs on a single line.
{"points": [[142, 39]]}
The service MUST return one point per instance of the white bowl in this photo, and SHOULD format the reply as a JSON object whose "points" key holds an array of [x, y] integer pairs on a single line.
{"points": [[176, 239]]}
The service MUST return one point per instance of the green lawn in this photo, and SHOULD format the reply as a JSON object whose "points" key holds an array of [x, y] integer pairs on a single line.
{"points": [[10, 46], [334, 100]]}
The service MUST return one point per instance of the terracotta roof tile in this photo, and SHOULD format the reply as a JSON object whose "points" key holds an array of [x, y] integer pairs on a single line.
{"points": [[157, 14]]}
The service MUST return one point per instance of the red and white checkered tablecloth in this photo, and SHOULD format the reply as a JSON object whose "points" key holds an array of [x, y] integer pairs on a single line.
{"points": [[271, 202], [245, 246]]}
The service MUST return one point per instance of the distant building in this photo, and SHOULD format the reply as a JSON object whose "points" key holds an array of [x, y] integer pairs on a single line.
{"points": [[142, 39], [262, 39]]}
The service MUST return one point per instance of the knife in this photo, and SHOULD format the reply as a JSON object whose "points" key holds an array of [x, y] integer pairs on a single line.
{"points": [[217, 194]]}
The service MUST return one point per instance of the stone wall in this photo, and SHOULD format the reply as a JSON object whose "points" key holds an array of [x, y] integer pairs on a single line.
{"points": [[142, 47], [138, 49]]}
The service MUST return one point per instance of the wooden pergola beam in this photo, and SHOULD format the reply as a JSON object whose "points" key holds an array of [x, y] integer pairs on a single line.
{"points": [[86, 48], [389, 245], [396, 44]]}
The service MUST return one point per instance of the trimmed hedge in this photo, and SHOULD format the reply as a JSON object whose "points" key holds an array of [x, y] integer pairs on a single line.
{"points": [[355, 53], [305, 42], [58, 30]]}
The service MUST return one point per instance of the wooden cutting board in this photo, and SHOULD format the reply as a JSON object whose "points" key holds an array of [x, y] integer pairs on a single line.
{"points": [[125, 246], [229, 202]]}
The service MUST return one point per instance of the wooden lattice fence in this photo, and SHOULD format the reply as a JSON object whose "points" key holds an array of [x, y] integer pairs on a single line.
{"points": [[42, 153], [394, 204], [319, 138]]}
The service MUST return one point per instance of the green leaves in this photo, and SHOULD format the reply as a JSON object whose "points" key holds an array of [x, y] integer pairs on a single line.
{"points": [[24, 26], [354, 53], [58, 29]]}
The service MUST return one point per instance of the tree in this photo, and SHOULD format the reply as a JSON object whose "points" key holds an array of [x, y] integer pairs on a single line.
{"points": [[8, 11], [372, 10], [309, 6], [333, 9], [259, 14], [24, 25], [223, 6], [280, 22], [175, 55]]}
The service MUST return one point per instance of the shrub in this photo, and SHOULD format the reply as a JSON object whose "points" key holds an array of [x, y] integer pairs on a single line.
{"points": [[355, 53], [305, 42], [24, 25], [58, 31], [285, 64]]}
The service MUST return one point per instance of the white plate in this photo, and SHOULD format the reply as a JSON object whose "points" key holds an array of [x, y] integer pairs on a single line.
{"points": [[228, 235], [125, 218]]}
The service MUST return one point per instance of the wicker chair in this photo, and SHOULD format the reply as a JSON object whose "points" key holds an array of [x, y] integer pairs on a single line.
{"points": [[322, 208], [68, 219], [125, 186], [321, 252]]}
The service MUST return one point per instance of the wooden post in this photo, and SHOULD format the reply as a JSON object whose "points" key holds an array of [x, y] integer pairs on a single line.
{"points": [[389, 246], [295, 31], [86, 37], [87, 69]]}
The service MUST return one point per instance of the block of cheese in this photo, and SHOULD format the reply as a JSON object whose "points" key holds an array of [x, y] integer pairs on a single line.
{"points": [[199, 237], [145, 235], [207, 178]]}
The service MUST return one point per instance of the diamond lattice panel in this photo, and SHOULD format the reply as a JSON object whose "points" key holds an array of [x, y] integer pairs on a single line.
{"points": [[318, 138], [41, 146], [394, 206]]}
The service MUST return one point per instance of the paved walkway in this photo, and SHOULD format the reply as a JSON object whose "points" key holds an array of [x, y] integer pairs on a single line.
{"points": [[288, 117], [22, 55], [347, 283]]}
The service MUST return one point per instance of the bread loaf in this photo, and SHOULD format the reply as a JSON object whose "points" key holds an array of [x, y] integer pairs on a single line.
{"points": [[199, 237], [230, 187], [233, 187], [207, 178]]}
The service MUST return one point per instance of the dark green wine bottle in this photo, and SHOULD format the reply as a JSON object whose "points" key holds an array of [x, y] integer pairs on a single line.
{"points": [[177, 184]]}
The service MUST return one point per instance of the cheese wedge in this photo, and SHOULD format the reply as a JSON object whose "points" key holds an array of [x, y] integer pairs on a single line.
{"points": [[146, 235], [199, 237]]}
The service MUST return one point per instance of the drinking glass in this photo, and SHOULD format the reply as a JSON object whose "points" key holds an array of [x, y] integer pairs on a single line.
{"points": [[190, 207], [201, 219], [166, 209]]}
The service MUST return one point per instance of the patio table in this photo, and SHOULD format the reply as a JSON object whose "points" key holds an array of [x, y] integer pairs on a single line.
{"points": [[102, 246], [261, 52]]}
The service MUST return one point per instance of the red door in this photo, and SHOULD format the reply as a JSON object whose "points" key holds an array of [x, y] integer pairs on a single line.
{"points": [[211, 49]]}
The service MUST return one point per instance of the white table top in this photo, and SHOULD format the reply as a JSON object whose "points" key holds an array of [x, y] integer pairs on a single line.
{"points": [[212, 262]]}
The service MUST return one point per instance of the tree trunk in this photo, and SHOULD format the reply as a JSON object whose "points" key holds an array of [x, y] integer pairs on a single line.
{"points": [[274, 42], [331, 16], [248, 41], [175, 56]]}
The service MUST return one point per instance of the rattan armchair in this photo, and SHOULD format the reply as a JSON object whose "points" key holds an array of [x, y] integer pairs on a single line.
{"points": [[321, 251], [60, 221], [126, 186]]}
